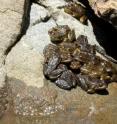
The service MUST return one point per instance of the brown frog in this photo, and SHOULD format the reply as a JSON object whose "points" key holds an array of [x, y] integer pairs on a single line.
{"points": [[99, 68], [75, 65], [77, 10], [82, 43], [66, 50], [91, 84], [83, 52], [61, 33], [50, 50]]}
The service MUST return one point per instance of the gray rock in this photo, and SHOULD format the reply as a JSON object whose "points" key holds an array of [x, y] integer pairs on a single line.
{"points": [[26, 65], [26, 72], [11, 21], [37, 36], [38, 14], [11, 14]]}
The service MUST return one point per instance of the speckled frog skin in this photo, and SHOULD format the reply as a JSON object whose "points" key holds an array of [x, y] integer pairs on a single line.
{"points": [[71, 62]]}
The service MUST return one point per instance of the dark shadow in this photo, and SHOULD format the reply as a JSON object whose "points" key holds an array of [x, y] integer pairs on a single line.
{"points": [[105, 33], [26, 16], [103, 92]]}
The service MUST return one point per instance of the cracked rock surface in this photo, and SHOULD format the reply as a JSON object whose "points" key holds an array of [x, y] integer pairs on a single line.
{"points": [[35, 100], [11, 23]]}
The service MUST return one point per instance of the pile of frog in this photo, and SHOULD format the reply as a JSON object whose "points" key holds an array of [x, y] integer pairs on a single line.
{"points": [[71, 62]]}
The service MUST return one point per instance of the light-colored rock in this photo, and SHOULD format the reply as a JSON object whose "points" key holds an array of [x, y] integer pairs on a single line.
{"points": [[12, 14], [31, 100], [25, 77], [37, 36], [24, 66], [106, 9], [37, 14]]}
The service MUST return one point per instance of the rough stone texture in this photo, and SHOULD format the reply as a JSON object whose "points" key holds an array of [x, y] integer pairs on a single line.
{"points": [[107, 9], [79, 107], [26, 70], [26, 65], [33, 95], [38, 14], [11, 15]]}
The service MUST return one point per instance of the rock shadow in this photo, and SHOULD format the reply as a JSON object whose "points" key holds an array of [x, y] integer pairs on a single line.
{"points": [[103, 92]]}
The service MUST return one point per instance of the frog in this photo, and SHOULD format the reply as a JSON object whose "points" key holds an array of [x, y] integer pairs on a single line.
{"points": [[56, 73], [75, 65], [59, 73], [82, 43], [61, 33], [77, 11], [82, 56], [91, 84], [66, 50], [67, 80], [84, 52], [51, 65], [50, 50]]}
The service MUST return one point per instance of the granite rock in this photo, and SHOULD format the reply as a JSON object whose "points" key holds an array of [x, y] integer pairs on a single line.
{"points": [[11, 26]]}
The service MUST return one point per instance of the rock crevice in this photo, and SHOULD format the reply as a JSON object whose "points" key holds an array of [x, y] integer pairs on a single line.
{"points": [[24, 25]]}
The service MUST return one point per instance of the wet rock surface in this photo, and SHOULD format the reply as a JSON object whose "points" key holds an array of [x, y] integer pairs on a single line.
{"points": [[78, 107], [33, 99], [3, 100]]}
